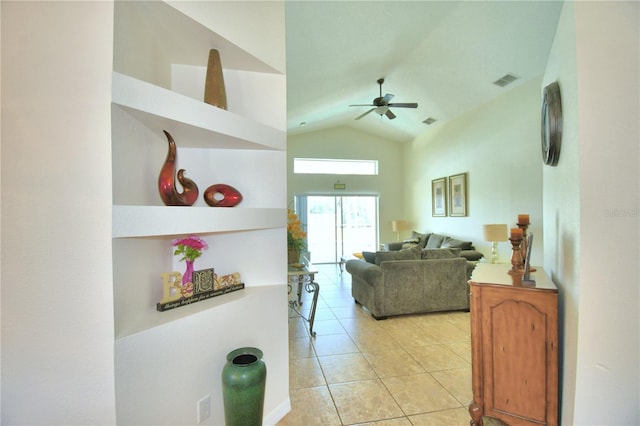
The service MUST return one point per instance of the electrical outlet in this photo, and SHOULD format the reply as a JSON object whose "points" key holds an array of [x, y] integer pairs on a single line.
{"points": [[204, 408]]}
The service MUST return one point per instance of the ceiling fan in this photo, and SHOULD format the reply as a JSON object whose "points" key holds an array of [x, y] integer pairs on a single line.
{"points": [[381, 104]]}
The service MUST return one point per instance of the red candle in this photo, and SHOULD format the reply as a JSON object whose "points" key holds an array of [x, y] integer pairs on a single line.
{"points": [[516, 233], [523, 219]]}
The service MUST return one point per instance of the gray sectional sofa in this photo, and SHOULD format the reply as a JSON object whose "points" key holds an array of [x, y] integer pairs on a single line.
{"points": [[412, 280]]}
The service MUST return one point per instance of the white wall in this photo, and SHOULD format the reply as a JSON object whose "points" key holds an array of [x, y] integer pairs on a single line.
{"points": [[592, 202], [57, 299], [346, 143], [265, 17], [498, 145], [58, 363], [163, 371], [561, 188]]}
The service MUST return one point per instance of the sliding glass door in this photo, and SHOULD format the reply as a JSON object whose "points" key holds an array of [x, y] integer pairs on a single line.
{"points": [[338, 225]]}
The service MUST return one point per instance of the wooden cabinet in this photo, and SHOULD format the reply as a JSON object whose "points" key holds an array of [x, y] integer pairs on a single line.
{"points": [[514, 337]]}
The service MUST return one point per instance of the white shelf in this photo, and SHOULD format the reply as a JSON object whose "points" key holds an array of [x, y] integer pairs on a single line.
{"points": [[153, 319], [159, 64], [150, 221], [199, 125], [152, 35]]}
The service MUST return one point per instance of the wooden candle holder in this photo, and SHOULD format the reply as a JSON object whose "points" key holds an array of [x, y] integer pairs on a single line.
{"points": [[517, 262]]}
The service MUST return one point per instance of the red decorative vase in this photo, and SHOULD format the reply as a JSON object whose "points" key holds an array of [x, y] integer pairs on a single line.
{"points": [[167, 184], [230, 196], [187, 277]]}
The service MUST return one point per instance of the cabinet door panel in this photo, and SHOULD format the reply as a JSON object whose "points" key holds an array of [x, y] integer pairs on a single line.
{"points": [[516, 353], [518, 337]]}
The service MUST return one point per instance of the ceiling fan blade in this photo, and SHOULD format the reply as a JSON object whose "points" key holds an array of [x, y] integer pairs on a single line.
{"points": [[387, 98], [404, 105], [369, 105], [362, 115], [390, 115], [381, 109]]}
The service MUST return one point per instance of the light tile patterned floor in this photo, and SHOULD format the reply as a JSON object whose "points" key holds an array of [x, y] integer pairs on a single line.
{"points": [[402, 371]]}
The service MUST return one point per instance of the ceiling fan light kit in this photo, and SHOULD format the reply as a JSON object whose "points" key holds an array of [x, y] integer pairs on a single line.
{"points": [[381, 104]]}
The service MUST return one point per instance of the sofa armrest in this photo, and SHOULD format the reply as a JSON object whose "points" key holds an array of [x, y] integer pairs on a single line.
{"points": [[393, 246], [470, 267], [365, 271], [367, 285]]}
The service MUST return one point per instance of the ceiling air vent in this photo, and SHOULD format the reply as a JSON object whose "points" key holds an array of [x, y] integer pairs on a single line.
{"points": [[504, 80], [429, 120]]}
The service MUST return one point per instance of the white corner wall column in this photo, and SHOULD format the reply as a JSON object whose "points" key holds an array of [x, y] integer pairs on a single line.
{"points": [[57, 293]]}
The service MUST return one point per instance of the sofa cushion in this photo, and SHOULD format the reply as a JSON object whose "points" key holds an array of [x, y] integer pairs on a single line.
{"points": [[471, 255], [452, 242], [422, 238], [442, 253], [410, 245], [435, 241], [369, 256], [404, 254], [411, 242]]}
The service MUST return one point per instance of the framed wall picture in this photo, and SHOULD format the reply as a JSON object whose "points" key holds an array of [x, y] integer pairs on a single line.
{"points": [[458, 195], [439, 197]]}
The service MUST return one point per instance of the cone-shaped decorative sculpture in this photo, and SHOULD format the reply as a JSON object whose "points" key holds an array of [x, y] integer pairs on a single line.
{"points": [[167, 184], [214, 91]]}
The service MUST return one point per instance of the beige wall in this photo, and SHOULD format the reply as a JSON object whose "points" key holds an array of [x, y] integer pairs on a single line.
{"points": [[591, 211], [346, 143], [498, 145], [561, 187]]}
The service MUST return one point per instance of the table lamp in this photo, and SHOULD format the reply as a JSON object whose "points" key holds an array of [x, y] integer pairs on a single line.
{"points": [[397, 226], [495, 233]]}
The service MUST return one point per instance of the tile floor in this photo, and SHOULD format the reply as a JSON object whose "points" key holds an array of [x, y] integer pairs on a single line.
{"points": [[408, 370]]}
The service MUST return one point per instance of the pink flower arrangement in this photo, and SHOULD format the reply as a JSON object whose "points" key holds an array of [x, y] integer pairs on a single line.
{"points": [[189, 248]]}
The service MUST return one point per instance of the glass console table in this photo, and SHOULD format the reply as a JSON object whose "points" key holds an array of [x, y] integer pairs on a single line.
{"points": [[304, 277]]}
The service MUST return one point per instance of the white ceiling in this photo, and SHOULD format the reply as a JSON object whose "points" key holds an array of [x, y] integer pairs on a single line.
{"points": [[444, 55]]}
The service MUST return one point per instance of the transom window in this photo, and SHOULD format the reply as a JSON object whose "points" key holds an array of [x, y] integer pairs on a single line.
{"points": [[328, 166]]}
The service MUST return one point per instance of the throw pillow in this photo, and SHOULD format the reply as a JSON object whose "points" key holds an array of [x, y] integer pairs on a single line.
{"points": [[445, 253], [405, 254], [422, 238], [471, 255], [369, 256], [452, 242], [409, 243], [435, 241]]}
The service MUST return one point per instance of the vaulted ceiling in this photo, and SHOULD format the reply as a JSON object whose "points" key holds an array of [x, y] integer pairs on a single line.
{"points": [[444, 55]]}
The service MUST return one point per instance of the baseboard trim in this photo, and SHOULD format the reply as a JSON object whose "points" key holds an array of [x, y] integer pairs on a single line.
{"points": [[277, 413]]}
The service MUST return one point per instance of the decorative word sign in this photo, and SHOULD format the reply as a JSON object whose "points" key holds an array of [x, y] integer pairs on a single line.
{"points": [[205, 285]]}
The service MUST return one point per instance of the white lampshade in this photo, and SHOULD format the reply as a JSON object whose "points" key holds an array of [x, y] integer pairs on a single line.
{"points": [[495, 232]]}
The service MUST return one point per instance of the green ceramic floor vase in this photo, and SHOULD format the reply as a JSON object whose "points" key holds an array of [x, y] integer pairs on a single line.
{"points": [[243, 384]]}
